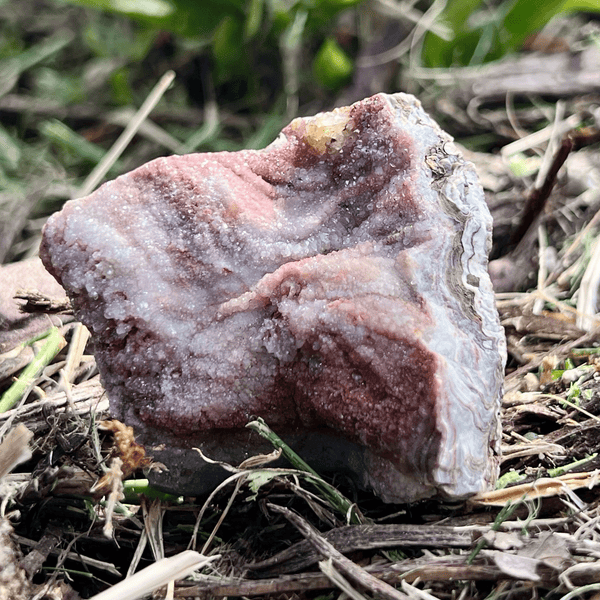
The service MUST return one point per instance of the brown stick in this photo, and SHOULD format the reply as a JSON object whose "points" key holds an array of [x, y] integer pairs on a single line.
{"points": [[574, 140], [36, 302], [538, 196], [379, 588], [364, 537], [447, 569]]}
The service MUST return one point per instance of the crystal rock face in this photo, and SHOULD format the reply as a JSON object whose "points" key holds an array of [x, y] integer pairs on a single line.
{"points": [[334, 283]]}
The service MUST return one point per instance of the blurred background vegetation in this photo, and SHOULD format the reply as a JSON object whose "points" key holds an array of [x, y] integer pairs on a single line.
{"points": [[73, 73]]}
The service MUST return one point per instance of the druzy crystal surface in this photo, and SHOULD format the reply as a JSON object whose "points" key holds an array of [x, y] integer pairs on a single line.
{"points": [[334, 284]]}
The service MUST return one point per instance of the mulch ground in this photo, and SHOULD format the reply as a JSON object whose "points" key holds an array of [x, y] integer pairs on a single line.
{"points": [[77, 516]]}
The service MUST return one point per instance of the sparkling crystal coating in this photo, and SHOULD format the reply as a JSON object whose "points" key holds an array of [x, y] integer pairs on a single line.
{"points": [[334, 283]]}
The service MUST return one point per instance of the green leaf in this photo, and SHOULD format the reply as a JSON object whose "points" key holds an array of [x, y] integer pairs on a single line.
{"points": [[254, 18], [58, 86], [336, 500], [11, 68], [134, 488], [52, 346], [509, 478], [152, 9], [524, 166], [76, 145], [189, 18], [583, 5], [10, 151], [578, 464], [119, 81], [439, 51], [525, 18], [332, 67], [118, 39], [266, 133], [323, 11], [477, 35], [228, 49], [256, 479]]}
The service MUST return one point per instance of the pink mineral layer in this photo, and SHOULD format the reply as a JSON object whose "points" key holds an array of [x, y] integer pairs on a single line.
{"points": [[334, 283]]}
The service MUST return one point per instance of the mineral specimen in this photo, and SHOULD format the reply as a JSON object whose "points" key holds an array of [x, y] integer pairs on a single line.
{"points": [[333, 283]]}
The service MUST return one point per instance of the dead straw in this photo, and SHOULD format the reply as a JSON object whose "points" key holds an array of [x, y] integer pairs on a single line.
{"points": [[156, 576], [102, 168]]}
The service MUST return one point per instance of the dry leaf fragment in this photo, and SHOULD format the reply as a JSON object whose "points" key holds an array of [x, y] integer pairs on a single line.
{"points": [[131, 453], [549, 548], [541, 488], [15, 449], [549, 364], [519, 567], [532, 383], [502, 540]]}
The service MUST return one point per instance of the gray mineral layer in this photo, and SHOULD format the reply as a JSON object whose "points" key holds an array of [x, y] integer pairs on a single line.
{"points": [[334, 284]]}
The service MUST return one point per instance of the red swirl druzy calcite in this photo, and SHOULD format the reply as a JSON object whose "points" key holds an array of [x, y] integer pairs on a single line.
{"points": [[334, 283]]}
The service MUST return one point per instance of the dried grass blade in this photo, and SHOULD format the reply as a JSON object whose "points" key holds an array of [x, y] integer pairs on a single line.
{"points": [[541, 488], [588, 292], [336, 577], [541, 136], [153, 517], [79, 340], [415, 592], [96, 176], [211, 537], [156, 576], [137, 555]]}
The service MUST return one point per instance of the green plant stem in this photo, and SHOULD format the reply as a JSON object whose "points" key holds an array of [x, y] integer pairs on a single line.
{"points": [[558, 471], [507, 510], [336, 500], [585, 351], [54, 344], [134, 488]]}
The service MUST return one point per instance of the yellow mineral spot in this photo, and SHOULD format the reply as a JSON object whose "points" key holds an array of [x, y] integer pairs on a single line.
{"points": [[326, 132]]}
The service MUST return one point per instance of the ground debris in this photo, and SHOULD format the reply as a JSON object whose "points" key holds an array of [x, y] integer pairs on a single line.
{"points": [[14, 583], [550, 467], [132, 456], [550, 436], [36, 302]]}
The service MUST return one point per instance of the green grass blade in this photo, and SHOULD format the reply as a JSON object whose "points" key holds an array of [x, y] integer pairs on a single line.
{"points": [[53, 345], [335, 499]]}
